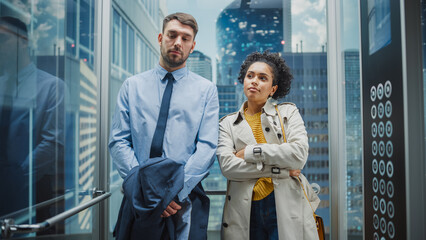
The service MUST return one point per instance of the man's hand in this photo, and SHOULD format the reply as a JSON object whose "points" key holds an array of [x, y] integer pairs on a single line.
{"points": [[294, 173], [171, 209], [240, 154]]}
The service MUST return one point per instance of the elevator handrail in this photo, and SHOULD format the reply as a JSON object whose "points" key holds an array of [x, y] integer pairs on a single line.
{"points": [[8, 228]]}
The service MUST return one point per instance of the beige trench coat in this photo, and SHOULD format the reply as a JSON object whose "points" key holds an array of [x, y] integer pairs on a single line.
{"points": [[295, 218]]}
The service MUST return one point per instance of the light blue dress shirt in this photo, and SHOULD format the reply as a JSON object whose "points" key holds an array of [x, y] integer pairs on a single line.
{"points": [[192, 125]]}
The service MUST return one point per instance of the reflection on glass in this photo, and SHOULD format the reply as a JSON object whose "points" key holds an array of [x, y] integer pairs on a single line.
{"points": [[48, 110], [379, 24], [32, 127], [352, 210]]}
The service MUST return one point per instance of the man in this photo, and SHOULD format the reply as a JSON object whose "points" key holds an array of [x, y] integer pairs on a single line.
{"points": [[191, 129], [31, 128]]}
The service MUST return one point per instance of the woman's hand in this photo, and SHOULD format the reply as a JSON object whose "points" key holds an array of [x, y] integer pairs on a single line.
{"points": [[240, 154], [294, 173]]}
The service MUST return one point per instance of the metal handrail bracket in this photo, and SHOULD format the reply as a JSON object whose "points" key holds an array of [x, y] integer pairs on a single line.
{"points": [[8, 228]]}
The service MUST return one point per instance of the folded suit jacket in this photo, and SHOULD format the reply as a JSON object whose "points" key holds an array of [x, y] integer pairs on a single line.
{"points": [[148, 190]]}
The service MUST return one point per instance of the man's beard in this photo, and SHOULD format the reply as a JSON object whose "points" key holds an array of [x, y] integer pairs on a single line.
{"points": [[173, 63]]}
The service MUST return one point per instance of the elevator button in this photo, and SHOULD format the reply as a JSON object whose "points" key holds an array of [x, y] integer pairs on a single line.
{"points": [[382, 167], [373, 111], [374, 148], [389, 129], [389, 149], [382, 187], [376, 221], [391, 189], [388, 109], [376, 236], [375, 184], [389, 169], [375, 203], [382, 206], [373, 93], [380, 91], [391, 209], [381, 129], [391, 230], [375, 166], [383, 225], [380, 110], [381, 148], [374, 129], [388, 89]]}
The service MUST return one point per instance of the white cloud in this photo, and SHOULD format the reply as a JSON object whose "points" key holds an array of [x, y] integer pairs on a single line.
{"points": [[306, 6]]}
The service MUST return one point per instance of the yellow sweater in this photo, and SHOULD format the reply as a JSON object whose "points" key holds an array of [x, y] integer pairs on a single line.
{"points": [[263, 186]]}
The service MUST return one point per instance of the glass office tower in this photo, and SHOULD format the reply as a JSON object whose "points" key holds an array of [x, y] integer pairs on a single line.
{"points": [[62, 63]]}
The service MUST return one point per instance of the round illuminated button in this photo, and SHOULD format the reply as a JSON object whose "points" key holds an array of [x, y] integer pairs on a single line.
{"points": [[381, 129], [374, 129], [373, 111], [375, 166], [373, 93], [389, 149], [391, 230], [391, 209], [389, 129], [388, 109], [391, 189], [382, 186], [382, 167], [383, 225], [376, 236], [380, 110], [376, 221], [389, 169], [381, 148], [380, 91], [374, 148], [382, 206], [375, 185], [375, 203], [388, 89]]}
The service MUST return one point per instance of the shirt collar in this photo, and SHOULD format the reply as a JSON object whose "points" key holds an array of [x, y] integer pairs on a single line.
{"points": [[178, 74], [268, 109]]}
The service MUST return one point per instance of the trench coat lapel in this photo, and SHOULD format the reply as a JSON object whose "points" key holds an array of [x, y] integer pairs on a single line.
{"points": [[243, 137]]}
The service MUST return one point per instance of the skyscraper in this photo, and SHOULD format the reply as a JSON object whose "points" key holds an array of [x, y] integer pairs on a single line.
{"points": [[200, 64]]}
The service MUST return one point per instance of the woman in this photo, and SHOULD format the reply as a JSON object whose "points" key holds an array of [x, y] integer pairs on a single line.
{"points": [[264, 197]]}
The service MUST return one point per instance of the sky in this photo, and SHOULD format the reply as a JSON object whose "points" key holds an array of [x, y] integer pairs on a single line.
{"points": [[308, 23]]}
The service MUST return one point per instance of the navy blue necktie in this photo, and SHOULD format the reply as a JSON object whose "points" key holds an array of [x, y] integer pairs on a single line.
{"points": [[157, 140]]}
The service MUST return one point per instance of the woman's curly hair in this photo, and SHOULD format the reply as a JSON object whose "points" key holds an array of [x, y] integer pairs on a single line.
{"points": [[282, 75]]}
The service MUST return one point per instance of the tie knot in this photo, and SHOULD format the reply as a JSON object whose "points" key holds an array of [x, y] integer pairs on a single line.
{"points": [[169, 76]]}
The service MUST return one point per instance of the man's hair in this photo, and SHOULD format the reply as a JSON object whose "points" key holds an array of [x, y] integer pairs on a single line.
{"points": [[282, 75], [184, 18]]}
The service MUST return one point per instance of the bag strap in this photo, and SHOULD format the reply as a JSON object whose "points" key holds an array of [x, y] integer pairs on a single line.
{"points": [[306, 196], [285, 140], [281, 122]]}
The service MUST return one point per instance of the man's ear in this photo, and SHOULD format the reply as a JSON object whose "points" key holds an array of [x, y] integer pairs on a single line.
{"points": [[160, 38], [193, 46]]}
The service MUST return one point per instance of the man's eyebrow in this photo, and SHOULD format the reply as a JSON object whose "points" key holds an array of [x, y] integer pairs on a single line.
{"points": [[176, 32]]}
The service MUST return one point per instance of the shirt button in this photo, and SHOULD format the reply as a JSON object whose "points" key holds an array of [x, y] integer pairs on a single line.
{"points": [[275, 123], [267, 129], [225, 225], [279, 135]]}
